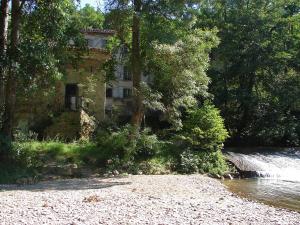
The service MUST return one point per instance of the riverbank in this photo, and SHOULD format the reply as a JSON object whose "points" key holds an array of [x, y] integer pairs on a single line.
{"points": [[161, 199]]}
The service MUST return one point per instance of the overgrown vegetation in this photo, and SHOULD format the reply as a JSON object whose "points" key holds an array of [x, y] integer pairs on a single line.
{"points": [[255, 69], [239, 56], [196, 148]]}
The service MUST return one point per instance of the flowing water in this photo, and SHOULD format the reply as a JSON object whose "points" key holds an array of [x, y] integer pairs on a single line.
{"points": [[277, 180]]}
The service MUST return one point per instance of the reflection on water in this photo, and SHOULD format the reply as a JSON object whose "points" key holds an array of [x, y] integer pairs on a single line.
{"points": [[278, 193], [278, 171]]}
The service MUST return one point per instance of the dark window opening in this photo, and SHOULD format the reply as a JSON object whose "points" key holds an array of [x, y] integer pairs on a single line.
{"points": [[126, 74], [90, 42], [71, 97], [127, 93], [109, 92], [103, 43]]}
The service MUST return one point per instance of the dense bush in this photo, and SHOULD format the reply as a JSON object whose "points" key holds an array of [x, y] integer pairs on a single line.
{"points": [[199, 143], [17, 163], [275, 128], [196, 148], [203, 129], [202, 162], [128, 144]]}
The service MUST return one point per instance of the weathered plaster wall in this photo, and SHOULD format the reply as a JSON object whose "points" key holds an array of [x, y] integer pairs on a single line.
{"points": [[48, 112]]}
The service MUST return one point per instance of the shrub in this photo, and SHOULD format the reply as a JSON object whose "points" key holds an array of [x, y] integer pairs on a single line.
{"points": [[116, 143], [204, 129], [127, 144], [147, 145], [276, 128], [202, 162], [5, 147], [198, 145]]}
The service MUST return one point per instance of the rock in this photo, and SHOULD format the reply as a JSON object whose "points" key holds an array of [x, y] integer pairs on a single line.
{"points": [[217, 176], [115, 172], [172, 199], [26, 180], [92, 199], [228, 176], [21, 181]]}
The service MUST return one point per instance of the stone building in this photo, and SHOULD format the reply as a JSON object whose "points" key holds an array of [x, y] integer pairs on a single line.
{"points": [[82, 98]]}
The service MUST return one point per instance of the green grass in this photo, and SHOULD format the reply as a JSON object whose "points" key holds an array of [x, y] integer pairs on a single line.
{"points": [[28, 157], [10, 173], [59, 152]]}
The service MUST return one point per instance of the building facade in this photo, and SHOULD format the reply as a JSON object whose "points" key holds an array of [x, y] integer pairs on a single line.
{"points": [[82, 98]]}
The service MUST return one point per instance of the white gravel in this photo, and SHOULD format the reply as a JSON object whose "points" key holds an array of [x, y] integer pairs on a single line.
{"points": [[166, 199]]}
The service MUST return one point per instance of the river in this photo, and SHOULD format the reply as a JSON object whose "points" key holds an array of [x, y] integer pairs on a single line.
{"points": [[277, 175]]}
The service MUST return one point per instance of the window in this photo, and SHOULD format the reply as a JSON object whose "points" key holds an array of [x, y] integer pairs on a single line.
{"points": [[103, 43], [127, 93], [90, 42], [126, 74], [71, 97], [109, 93]]}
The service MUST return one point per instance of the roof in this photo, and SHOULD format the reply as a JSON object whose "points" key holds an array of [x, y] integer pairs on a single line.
{"points": [[98, 31]]}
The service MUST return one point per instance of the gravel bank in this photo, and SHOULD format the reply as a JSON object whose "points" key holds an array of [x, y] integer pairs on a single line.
{"points": [[169, 199]]}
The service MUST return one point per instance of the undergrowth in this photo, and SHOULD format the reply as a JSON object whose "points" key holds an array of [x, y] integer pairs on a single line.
{"points": [[196, 148]]}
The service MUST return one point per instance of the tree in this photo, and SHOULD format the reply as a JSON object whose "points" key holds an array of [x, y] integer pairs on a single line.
{"points": [[41, 50], [3, 45], [90, 18], [11, 84], [146, 22], [259, 40], [180, 72], [136, 62]]}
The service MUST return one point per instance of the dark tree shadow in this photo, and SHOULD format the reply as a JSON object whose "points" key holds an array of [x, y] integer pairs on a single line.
{"points": [[68, 184]]}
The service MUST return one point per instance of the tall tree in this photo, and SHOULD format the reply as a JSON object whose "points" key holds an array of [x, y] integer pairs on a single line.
{"points": [[89, 17], [258, 52], [3, 44], [11, 85], [39, 48], [146, 22], [136, 61]]}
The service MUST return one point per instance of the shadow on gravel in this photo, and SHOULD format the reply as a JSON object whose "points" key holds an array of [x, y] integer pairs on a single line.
{"points": [[69, 184]]}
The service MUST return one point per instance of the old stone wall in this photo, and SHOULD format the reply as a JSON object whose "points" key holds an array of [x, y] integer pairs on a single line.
{"points": [[47, 114]]}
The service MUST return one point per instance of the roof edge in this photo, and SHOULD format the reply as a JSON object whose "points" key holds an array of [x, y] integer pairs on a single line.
{"points": [[98, 31]]}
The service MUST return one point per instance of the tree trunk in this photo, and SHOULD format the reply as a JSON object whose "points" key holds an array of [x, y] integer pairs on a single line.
{"points": [[3, 43], [11, 84], [138, 111]]}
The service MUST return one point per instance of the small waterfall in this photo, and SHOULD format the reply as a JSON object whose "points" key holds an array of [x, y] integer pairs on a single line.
{"points": [[281, 165]]}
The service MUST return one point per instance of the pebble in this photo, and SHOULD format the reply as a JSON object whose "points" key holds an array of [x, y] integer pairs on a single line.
{"points": [[160, 199]]}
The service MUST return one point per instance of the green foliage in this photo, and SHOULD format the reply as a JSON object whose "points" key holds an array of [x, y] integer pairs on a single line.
{"points": [[203, 129], [127, 144], [46, 31], [179, 71], [44, 152], [6, 146], [255, 71], [198, 145], [175, 59], [11, 173], [202, 162], [89, 17]]}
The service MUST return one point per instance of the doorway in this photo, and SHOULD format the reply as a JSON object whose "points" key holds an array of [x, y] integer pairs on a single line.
{"points": [[71, 97]]}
